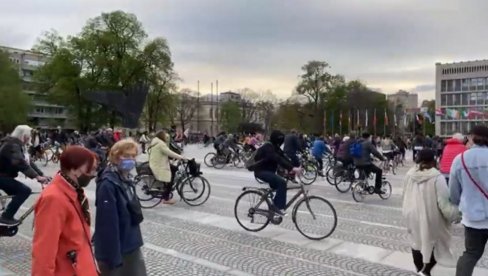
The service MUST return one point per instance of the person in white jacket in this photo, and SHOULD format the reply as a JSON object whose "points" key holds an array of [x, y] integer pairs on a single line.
{"points": [[428, 214]]}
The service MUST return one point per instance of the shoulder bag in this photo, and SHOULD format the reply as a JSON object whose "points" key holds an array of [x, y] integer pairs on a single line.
{"points": [[472, 179]]}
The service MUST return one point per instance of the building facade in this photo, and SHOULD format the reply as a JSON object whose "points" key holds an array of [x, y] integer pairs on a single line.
{"points": [[461, 96], [43, 114], [407, 100]]}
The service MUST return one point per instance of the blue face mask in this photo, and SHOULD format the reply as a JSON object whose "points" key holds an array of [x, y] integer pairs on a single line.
{"points": [[127, 164]]}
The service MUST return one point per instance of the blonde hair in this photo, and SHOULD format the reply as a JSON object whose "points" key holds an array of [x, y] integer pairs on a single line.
{"points": [[121, 147]]}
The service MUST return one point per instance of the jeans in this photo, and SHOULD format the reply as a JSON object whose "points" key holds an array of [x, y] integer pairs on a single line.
{"points": [[20, 192], [474, 241], [277, 183], [132, 265], [419, 263], [371, 168]]}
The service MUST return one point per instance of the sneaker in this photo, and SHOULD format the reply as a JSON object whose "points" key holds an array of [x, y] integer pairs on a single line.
{"points": [[8, 222], [280, 213]]}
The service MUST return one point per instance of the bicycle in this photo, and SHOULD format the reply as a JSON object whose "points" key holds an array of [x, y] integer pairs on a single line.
{"points": [[220, 161], [261, 206], [362, 188], [186, 177], [10, 231], [40, 155], [389, 164]]}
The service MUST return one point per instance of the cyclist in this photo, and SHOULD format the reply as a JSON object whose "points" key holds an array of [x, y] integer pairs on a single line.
{"points": [[344, 155], [13, 160], [363, 160], [418, 145], [268, 157], [292, 147], [318, 150], [164, 172], [219, 142], [229, 147], [388, 148]]}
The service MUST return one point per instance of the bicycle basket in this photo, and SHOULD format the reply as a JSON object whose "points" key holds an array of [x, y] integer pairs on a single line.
{"points": [[143, 169], [193, 168]]}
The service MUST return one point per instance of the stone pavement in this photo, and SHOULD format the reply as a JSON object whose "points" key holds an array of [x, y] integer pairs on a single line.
{"points": [[370, 238]]}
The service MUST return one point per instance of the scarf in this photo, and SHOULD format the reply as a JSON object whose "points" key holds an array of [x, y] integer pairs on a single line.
{"points": [[85, 206]]}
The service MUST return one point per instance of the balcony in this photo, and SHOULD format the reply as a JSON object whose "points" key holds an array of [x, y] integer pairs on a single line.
{"points": [[45, 115]]}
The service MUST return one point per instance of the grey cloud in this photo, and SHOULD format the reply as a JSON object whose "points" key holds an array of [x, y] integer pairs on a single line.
{"points": [[424, 88]]}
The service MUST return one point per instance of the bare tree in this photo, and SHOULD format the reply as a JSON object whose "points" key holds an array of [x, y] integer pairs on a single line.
{"points": [[186, 106]]}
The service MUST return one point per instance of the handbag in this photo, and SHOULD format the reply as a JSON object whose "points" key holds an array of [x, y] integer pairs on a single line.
{"points": [[472, 179]]}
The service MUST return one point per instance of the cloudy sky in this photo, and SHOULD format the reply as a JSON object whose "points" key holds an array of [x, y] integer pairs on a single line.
{"points": [[261, 44]]}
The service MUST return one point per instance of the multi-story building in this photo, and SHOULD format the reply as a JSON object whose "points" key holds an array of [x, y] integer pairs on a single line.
{"points": [[461, 96], [407, 100], [43, 114]]}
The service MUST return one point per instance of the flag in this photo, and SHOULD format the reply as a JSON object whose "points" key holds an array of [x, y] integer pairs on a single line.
{"points": [[366, 120], [331, 122], [374, 118], [349, 120], [405, 120], [340, 121], [427, 115], [438, 112], [357, 122], [419, 119], [386, 118], [394, 119], [325, 121]]}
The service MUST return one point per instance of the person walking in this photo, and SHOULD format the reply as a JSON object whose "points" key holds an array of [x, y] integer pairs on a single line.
{"points": [[453, 148], [468, 186], [143, 140], [61, 244], [428, 214], [117, 238]]}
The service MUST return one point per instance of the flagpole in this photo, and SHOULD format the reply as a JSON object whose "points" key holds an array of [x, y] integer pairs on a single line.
{"points": [[212, 110], [385, 122], [374, 122]]}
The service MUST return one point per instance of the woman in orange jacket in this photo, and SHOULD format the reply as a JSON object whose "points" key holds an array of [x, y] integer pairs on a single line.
{"points": [[61, 243]]}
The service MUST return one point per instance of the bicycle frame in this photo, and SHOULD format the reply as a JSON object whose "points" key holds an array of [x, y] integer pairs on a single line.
{"points": [[26, 214]]}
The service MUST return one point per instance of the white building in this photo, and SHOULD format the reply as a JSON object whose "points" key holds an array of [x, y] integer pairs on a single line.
{"points": [[461, 96], [43, 114], [407, 100]]}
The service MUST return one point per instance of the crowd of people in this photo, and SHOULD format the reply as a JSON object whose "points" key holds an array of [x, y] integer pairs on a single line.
{"points": [[446, 185]]}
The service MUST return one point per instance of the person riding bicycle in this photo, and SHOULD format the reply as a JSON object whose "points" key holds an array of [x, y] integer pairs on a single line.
{"points": [[268, 157], [362, 159], [163, 171], [344, 155], [292, 147], [36, 143], [13, 160], [319, 148], [388, 148], [229, 147], [219, 142]]}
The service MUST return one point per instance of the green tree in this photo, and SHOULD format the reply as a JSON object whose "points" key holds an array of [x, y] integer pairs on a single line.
{"points": [[14, 104], [230, 116], [110, 53], [316, 82]]}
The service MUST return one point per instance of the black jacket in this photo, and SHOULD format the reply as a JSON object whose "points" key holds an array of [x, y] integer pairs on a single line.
{"points": [[270, 157], [12, 160], [292, 145]]}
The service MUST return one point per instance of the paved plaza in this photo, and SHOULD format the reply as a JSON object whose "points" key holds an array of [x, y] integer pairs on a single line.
{"points": [[370, 238]]}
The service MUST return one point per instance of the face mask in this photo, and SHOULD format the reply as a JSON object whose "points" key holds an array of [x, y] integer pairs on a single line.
{"points": [[84, 180], [127, 164]]}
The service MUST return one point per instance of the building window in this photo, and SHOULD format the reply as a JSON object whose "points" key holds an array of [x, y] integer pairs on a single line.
{"points": [[472, 99], [457, 99], [472, 85], [450, 85], [481, 98], [449, 99], [443, 100], [457, 85], [464, 98], [481, 83], [443, 85], [465, 84]]}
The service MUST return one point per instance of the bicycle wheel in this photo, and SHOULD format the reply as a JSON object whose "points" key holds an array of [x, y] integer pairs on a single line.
{"points": [[142, 186], [386, 188], [344, 185], [358, 192], [314, 217], [194, 190], [329, 176], [238, 162], [310, 173], [219, 162], [208, 159], [252, 210]]}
